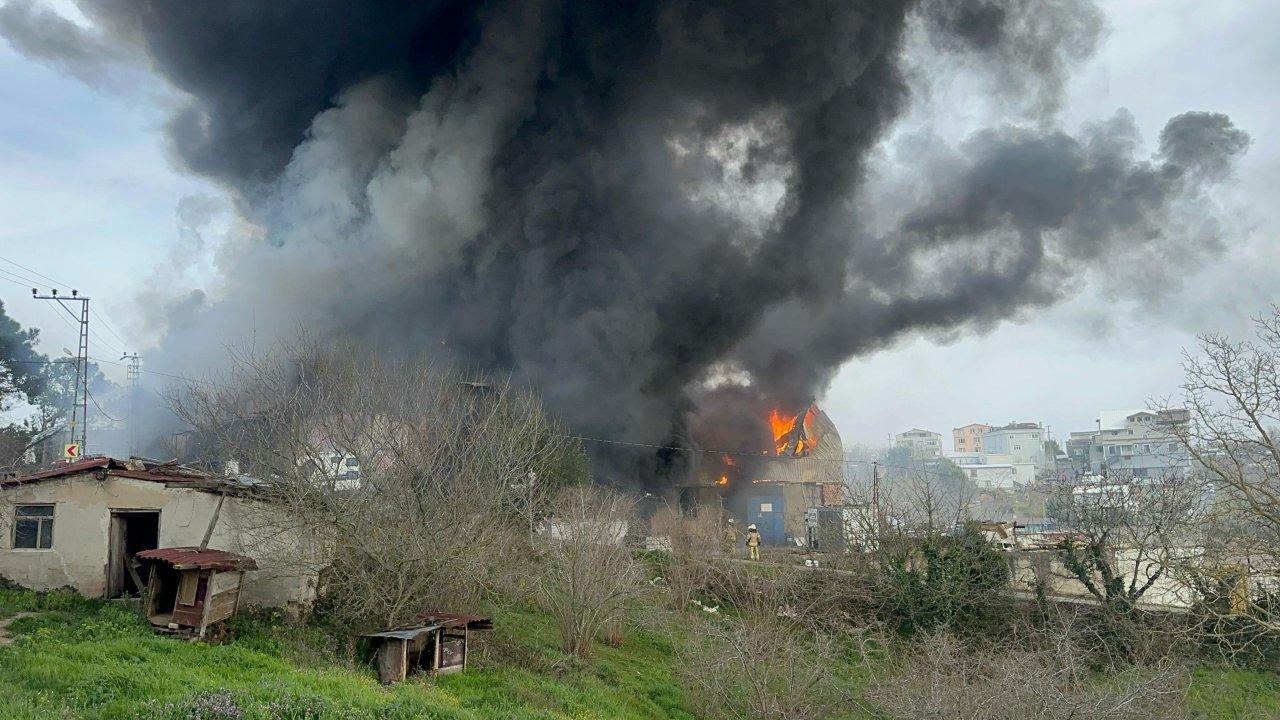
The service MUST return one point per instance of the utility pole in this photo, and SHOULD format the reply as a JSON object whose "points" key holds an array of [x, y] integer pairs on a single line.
{"points": [[133, 372], [875, 498], [80, 396]]}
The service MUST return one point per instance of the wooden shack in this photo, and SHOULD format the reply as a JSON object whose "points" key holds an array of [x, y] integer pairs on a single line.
{"points": [[190, 589], [438, 646]]}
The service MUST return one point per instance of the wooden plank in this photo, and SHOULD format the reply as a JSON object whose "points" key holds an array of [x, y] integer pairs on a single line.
{"points": [[392, 660], [133, 574], [223, 581], [221, 606]]}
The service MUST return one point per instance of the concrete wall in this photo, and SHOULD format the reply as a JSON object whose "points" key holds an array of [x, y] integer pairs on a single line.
{"points": [[82, 518], [1166, 592]]}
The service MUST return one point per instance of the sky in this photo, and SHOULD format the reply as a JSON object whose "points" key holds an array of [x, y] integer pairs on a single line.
{"points": [[89, 197]]}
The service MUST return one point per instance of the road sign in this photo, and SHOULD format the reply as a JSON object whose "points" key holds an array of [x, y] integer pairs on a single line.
{"points": [[71, 451]]}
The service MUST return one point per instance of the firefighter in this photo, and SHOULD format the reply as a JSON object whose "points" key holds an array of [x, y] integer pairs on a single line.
{"points": [[753, 541], [730, 539]]}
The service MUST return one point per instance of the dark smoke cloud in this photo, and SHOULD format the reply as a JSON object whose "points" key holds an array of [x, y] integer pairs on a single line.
{"points": [[620, 202], [1204, 143], [1013, 221], [1027, 46], [91, 56]]}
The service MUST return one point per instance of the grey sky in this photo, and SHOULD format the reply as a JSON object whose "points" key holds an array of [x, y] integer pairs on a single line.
{"points": [[88, 196]]}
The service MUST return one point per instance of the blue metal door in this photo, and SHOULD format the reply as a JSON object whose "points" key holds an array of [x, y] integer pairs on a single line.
{"points": [[765, 512]]}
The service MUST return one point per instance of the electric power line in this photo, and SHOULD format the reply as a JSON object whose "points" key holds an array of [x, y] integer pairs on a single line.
{"points": [[33, 282], [33, 272], [104, 412]]}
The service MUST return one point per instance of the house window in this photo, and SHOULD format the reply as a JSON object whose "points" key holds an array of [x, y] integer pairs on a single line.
{"points": [[33, 527], [352, 462]]}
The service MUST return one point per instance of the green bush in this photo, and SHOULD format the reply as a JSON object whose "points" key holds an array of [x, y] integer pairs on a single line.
{"points": [[954, 582]]}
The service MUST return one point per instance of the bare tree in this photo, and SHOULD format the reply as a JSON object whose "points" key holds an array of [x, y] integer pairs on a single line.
{"points": [[693, 540], [586, 576], [938, 678], [1233, 392], [408, 474], [762, 663], [1127, 535]]}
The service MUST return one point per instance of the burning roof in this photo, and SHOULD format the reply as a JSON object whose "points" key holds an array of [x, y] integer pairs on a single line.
{"points": [[810, 452]]}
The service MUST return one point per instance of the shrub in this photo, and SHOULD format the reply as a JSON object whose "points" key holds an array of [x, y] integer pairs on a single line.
{"points": [[955, 582]]}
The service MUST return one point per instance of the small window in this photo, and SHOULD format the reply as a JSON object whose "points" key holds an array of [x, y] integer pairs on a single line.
{"points": [[766, 507], [353, 474], [33, 527], [352, 462], [1034, 436]]}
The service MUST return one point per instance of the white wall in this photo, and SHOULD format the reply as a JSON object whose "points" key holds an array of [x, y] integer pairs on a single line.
{"points": [[82, 517]]}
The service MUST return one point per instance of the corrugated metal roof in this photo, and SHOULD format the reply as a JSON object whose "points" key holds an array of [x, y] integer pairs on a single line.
{"points": [[192, 558], [134, 468], [473, 622]]}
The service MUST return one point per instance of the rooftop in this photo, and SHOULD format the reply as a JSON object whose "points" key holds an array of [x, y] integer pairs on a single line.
{"points": [[136, 468]]}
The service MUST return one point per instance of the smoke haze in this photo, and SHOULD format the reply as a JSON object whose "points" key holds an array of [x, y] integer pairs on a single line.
{"points": [[642, 208]]}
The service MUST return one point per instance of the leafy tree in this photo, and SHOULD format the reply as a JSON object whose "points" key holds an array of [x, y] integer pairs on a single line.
{"points": [[28, 377], [22, 376]]}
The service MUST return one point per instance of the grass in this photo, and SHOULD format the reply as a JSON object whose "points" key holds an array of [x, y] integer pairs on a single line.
{"points": [[82, 658], [87, 659]]}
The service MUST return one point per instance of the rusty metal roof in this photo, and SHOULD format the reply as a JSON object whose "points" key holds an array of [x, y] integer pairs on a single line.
{"points": [[192, 558], [473, 622], [135, 468]]}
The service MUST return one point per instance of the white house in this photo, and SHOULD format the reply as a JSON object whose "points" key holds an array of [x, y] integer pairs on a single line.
{"points": [[922, 443], [80, 524], [1023, 441]]}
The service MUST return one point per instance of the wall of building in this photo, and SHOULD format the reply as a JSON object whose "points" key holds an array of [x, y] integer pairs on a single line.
{"points": [[1025, 445], [921, 443], [968, 439], [81, 532]]}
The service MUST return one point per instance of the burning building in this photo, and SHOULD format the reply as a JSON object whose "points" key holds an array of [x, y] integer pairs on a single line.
{"points": [[772, 487]]}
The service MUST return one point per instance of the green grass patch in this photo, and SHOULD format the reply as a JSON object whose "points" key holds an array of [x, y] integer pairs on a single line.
{"points": [[87, 659]]}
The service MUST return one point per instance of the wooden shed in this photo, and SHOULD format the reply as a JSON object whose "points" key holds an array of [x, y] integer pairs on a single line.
{"points": [[190, 588], [439, 646]]}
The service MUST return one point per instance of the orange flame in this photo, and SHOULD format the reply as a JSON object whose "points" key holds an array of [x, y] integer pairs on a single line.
{"points": [[789, 439], [724, 480]]}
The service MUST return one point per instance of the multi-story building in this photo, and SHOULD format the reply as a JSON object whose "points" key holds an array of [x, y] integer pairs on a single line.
{"points": [[1023, 441], [1144, 444], [968, 439], [994, 470], [1083, 452], [922, 443]]}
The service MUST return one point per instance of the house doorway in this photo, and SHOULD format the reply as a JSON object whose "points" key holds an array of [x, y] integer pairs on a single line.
{"points": [[132, 531]]}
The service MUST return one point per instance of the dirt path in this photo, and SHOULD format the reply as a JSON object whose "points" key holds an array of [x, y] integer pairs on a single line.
{"points": [[5, 638]]}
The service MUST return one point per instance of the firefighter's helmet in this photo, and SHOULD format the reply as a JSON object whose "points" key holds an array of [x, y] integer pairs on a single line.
{"points": [[752, 526]]}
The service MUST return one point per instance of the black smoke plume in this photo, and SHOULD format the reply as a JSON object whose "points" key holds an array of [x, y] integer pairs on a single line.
{"points": [[626, 204]]}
